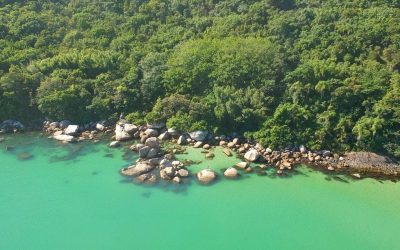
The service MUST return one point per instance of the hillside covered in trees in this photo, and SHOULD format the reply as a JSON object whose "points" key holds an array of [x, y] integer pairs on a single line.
{"points": [[284, 72]]}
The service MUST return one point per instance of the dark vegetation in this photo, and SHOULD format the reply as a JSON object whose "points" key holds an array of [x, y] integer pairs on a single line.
{"points": [[285, 72]]}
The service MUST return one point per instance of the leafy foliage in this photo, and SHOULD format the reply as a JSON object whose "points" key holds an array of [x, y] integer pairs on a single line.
{"points": [[285, 72]]}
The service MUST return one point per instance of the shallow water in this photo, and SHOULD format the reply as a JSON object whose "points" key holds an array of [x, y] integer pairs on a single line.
{"points": [[72, 197]]}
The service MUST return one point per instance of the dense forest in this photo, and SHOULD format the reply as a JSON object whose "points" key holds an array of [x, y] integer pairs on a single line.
{"points": [[324, 73]]}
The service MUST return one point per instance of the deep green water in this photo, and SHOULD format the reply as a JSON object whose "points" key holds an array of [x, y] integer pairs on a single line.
{"points": [[72, 197]]}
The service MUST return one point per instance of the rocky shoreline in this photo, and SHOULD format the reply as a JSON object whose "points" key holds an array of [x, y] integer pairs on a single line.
{"points": [[155, 163]]}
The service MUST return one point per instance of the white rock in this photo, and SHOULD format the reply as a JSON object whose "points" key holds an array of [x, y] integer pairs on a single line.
{"points": [[64, 138], [252, 155], [71, 130], [121, 134], [206, 176], [115, 144], [242, 165], [231, 173]]}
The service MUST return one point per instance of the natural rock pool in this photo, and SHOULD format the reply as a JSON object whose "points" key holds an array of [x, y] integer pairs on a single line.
{"points": [[55, 196]]}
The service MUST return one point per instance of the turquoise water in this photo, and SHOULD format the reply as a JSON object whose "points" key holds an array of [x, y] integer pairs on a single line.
{"points": [[72, 197]]}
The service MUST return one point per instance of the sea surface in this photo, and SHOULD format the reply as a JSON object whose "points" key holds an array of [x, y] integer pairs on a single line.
{"points": [[55, 196]]}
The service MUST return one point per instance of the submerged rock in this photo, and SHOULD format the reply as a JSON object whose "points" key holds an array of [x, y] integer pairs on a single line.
{"points": [[227, 151], [23, 156], [146, 179], [206, 176], [114, 144], [210, 155]]}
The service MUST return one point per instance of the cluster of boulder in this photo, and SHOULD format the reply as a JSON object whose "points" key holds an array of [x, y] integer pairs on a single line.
{"points": [[153, 164], [11, 126], [65, 131]]}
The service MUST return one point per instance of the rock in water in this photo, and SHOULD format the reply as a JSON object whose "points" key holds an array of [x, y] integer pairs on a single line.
{"points": [[206, 176], [114, 144], [64, 138], [252, 155], [242, 165], [183, 172], [71, 130], [231, 173], [138, 169]]}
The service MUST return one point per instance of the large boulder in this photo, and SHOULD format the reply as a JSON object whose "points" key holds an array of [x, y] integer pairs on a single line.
{"points": [[64, 138], [153, 152], [252, 155], [206, 176], [130, 128], [144, 151], [121, 134], [138, 169], [152, 142], [71, 130], [199, 135], [231, 173]]}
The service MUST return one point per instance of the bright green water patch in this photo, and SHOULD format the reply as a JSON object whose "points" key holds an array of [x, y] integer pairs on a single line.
{"points": [[72, 197]]}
